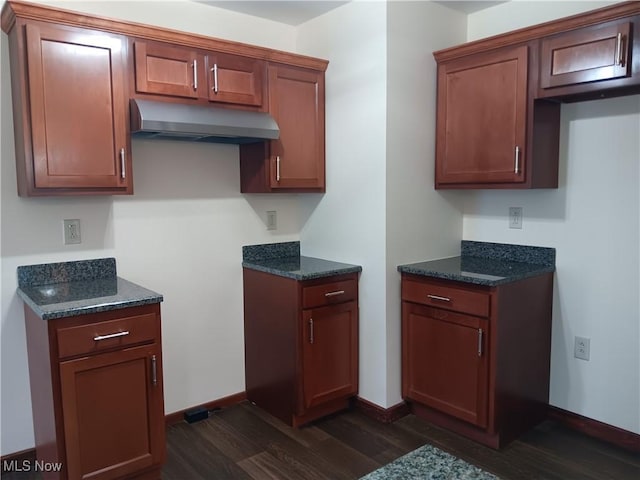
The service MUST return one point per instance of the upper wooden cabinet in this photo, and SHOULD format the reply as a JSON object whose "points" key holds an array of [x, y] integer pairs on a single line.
{"points": [[586, 55], [296, 161], [163, 69], [72, 75], [481, 123], [234, 79], [70, 114], [591, 62], [498, 110]]}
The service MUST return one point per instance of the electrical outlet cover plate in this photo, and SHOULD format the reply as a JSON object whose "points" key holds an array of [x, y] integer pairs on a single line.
{"points": [[71, 232], [515, 217], [582, 348]]}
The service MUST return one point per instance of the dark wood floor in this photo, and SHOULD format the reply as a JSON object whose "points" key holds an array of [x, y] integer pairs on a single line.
{"points": [[243, 442]]}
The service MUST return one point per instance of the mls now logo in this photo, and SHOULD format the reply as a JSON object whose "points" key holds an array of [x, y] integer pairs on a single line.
{"points": [[30, 466]]}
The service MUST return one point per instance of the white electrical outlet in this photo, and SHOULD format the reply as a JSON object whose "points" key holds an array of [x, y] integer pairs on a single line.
{"points": [[272, 220], [71, 232], [582, 348], [515, 217]]}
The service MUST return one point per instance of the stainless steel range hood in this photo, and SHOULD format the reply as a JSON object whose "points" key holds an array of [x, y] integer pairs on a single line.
{"points": [[200, 123]]}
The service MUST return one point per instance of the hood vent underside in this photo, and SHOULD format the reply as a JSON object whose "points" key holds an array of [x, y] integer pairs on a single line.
{"points": [[199, 123]]}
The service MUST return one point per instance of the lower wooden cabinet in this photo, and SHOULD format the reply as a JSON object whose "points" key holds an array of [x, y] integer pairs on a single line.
{"points": [[96, 385], [442, 346], [476, 359], [301, 344]]}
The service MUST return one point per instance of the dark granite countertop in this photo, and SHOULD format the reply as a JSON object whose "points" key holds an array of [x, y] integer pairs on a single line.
{"points": [[67, 289], [490, 264], [284, 260]]}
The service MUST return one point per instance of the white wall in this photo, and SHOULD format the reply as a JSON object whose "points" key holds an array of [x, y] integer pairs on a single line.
{"points": [[349, 221], [422, 224], [379, 209], [180, 234], [593, 222]]}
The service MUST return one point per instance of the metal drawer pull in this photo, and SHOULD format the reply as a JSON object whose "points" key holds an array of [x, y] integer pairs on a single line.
{"points": [[311, 330], [277, 168], [517, 160], [438, 297], [122, 164], [480, 335], [195, 75], [111, 335], [333, 294], [214, 69], [154, 371]]}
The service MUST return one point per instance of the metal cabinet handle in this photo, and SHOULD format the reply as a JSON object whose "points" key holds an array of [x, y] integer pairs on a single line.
{"points": [[123, 171], [438, 297], [111, 335], [619, 50], [333, 294], [480, 336], [154, 371], [195, 74], [278, 168], [311, 330], [214, 69], [517, 160]]}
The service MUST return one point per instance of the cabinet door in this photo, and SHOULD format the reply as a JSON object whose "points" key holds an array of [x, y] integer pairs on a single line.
{"points": [[165, 70], [78, 109], [296, 101], [113, 413], [329, 353], [481, 118], [234, 79], [586, 55], [444, 361]]}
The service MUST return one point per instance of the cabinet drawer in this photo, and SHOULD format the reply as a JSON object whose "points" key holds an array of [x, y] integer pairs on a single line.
{"points": [[95, 337], [328, 293], [456, 299]]}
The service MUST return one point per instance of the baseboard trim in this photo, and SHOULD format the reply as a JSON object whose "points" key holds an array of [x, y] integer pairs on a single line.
{"points": [[383, 415], [28, 455], [177, 417], [594, 428]]}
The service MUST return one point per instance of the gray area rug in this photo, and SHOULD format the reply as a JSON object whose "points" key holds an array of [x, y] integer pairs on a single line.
{"points": [[429, 463]]}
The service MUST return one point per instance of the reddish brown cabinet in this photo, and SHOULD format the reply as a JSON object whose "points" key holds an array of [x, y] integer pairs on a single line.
{"points": [[162, 69], [96, 384], [296, 161], [234, 79], [440, 346], [301, 344], [482, 118], [586, 55], [475, 359], [70, 110], [498, 100]]}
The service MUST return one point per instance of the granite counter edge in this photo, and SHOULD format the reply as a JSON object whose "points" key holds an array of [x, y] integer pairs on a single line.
{"points": [[52, 314], [302, 276], [475, 281]]}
